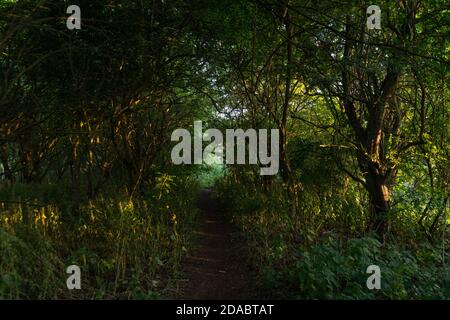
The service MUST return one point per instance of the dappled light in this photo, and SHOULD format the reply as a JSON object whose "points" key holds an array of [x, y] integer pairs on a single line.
{"points": [[224, 149]]}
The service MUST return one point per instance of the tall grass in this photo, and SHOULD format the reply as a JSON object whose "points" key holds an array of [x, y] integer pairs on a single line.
{"points": [[126, 248]]}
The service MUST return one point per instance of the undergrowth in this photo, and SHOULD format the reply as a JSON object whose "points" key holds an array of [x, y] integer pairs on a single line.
{"points": [[322, 251], [127, 248]]}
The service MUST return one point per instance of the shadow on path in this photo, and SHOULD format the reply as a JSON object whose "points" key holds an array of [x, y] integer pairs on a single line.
{"points": [[214, 270]]}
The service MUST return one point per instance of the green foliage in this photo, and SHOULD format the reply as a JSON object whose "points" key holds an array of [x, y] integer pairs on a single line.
{"points": [[210, 174], [126, 248], [85, 136], [334, 269], [323, 251], [30, 267]]}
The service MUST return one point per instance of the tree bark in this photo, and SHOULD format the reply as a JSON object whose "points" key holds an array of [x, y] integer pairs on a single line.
{"points": [[379, 204], [375, 168], [6, 169]]}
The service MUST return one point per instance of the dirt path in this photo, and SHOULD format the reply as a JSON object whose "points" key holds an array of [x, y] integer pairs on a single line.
{"points": [[215, 269]]}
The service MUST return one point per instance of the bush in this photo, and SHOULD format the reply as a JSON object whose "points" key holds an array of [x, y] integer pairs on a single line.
{"points": [[323, 251], [333, 270], [126, 248]]}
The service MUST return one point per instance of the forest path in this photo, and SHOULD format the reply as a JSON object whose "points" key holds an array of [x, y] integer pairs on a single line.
{"points": [[215, 269]]}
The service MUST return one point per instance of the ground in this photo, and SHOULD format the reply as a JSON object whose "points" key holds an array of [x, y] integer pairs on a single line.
{"points": [[216, 268]]}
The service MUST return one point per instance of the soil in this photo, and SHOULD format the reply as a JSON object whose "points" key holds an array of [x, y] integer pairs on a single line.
{"points": [[216, 269]]}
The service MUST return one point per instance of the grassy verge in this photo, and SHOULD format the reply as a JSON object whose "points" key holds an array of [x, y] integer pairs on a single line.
{"points": [[126, 248], [321, 253]]}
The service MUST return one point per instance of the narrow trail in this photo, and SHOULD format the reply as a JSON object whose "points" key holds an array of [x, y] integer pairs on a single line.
{"points": [[215, 269]]}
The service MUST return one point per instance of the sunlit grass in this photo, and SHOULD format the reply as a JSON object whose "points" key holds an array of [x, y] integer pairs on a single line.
{"points": [[126, 248]]}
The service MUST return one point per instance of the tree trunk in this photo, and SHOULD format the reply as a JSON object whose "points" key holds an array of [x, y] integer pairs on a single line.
{"points": [[26, 163], [6, 169], [285, 167], [379, 204]]}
